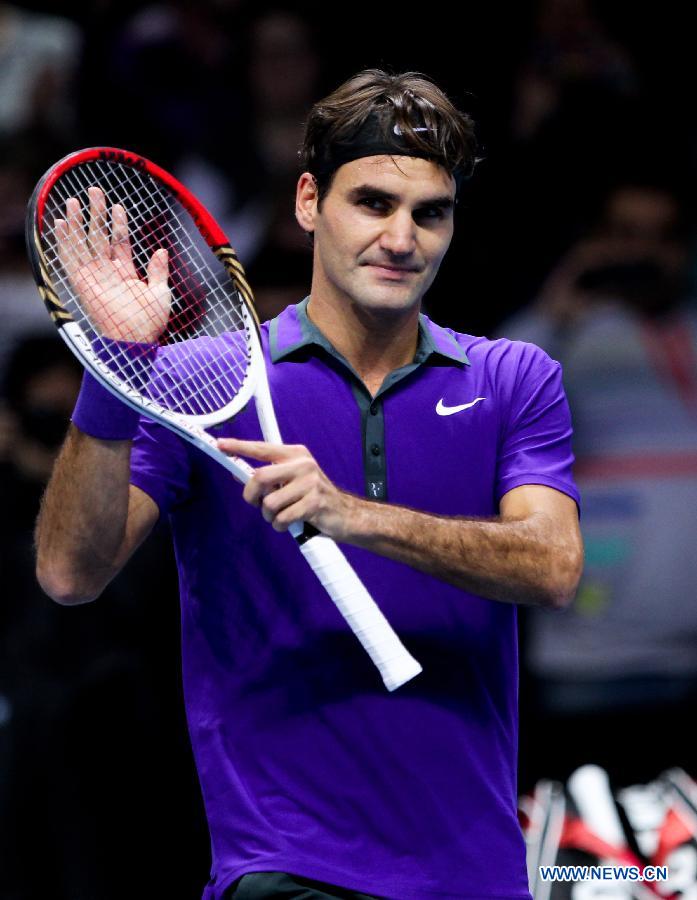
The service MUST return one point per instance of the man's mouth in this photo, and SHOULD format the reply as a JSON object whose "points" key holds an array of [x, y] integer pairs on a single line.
{"points": [[391, 270]]}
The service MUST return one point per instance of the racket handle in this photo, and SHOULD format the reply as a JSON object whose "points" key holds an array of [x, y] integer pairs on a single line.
{"points": [[394, 662]]}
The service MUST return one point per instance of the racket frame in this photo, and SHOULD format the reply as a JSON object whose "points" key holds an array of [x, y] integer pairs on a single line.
{"points": [[189, 426]]}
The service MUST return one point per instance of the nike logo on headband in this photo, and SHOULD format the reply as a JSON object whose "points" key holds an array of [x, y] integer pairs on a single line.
{"points": [[398, 131]]}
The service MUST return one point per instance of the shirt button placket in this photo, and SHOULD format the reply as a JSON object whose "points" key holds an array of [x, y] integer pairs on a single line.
{"points": [[374, 457]]}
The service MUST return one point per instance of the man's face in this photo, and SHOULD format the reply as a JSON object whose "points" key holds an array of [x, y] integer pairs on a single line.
{"points": [[381, 234]]}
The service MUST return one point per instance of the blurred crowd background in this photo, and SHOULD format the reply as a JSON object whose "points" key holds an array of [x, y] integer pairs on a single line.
{"points": [[577, 233]]}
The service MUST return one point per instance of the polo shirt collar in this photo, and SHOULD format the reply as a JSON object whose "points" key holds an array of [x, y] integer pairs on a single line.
{"points": [[292, 330]]}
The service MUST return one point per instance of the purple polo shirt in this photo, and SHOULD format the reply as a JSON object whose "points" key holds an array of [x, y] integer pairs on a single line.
{"points": [[307, 764]]}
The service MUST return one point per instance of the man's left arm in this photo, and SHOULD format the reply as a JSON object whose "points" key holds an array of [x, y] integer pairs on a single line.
{"points": [[531, 553]]}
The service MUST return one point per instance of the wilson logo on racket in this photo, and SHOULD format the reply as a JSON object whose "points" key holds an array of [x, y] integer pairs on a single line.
{"points": [[121, 156]]}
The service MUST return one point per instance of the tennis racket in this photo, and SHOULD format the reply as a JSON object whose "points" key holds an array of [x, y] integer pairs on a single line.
{"points": [[151, 298]]}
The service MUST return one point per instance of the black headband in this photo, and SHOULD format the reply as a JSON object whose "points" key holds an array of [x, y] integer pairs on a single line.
{"points": [[374, 139]]}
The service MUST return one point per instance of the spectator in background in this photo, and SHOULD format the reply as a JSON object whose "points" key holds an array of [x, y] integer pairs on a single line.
{"points": [[20, 306], [91, 736], [575, 105], [41, 383], [38, 57], [615, 677], [283, 74], [228, 88], [176, 70], [282, 71], [173, 68], [40, 387], [570, 51]]}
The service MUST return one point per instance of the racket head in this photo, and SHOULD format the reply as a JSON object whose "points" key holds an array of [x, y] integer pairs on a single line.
{"points": [[202, 359]]}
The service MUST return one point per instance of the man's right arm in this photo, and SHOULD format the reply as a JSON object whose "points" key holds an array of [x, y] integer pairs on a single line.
{"points": [[91, 518]]}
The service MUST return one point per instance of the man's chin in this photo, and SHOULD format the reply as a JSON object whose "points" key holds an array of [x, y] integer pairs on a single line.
{"points": [[388, 303]]}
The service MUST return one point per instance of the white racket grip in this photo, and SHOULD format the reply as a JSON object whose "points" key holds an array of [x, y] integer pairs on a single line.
{"points": [[394, 662]]}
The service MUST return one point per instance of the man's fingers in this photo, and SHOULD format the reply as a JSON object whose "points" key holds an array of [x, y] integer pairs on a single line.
{"points": [[277, 501], [158, 269], [290, 488], [261, 450], [65, 251], [271, 478], [97, 234], [77, 250], [120, 243], [285, 519]]}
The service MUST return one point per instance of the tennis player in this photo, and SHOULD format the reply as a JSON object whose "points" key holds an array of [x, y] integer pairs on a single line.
{"points": [[441, 461]]}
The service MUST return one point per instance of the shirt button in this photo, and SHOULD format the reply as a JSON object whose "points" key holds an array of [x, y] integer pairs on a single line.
{"points": [[373, 409], [375, 449]]}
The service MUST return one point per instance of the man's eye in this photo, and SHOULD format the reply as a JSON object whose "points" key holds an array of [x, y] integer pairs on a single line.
{"points": [[376, 203], [429, 212]]}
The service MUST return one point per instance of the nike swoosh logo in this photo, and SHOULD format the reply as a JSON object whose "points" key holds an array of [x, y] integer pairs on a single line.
{"points": [[444, 410]]}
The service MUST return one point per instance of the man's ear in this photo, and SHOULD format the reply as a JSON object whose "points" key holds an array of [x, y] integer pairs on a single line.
{"points": [[306, 202]]}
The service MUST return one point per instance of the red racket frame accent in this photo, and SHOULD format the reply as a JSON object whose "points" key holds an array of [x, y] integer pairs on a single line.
{"points": [[214, 236]]}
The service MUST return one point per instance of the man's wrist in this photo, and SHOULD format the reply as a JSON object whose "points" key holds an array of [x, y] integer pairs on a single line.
{"points": [[101, 414], [357, 522]]}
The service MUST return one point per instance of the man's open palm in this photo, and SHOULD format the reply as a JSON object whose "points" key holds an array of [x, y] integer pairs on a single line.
{"points": [[120, 304]]}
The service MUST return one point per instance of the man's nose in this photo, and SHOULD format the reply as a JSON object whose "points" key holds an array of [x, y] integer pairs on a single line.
{"points": [[399, 234]]}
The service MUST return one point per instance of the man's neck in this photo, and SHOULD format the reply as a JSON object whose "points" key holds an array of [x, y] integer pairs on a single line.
{"points": [[373, 344]]}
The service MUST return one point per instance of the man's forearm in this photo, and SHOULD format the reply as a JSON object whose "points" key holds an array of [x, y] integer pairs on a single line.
{"points": [[532, 554], [518, 561], [82, 523]]}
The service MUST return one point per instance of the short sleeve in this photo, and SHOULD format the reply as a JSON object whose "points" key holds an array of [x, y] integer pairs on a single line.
{"points": [[161, 465], [535, 443]]}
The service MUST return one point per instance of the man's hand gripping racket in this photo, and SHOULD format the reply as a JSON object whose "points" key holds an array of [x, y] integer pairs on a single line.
{"points": [[153, 301]]}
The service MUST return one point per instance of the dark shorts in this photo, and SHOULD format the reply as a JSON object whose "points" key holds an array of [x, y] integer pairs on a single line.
{"points": [[260, 885]]}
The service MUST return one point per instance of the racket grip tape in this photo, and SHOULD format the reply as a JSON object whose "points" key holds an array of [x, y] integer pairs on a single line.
{"points": [[394, 662]]}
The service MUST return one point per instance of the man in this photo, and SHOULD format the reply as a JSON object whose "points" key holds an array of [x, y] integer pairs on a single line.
{"points": [[309, 769]]}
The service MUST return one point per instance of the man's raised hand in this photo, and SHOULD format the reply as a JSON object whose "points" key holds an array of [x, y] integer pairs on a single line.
{"points": [[120, 304]]}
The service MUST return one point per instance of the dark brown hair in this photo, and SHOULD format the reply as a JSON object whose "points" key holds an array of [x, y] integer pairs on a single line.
{"points": [[408, 100]]}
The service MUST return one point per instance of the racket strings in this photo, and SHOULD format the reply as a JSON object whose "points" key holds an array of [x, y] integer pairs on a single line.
{"points": [[150, 205], [198, 395], [206, 336]]}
